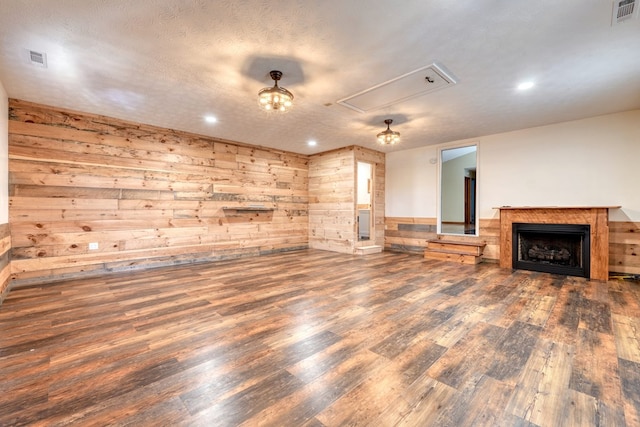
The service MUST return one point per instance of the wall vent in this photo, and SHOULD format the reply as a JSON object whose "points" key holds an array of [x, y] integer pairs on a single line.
{"points": [[623, 10], [38, 59]]}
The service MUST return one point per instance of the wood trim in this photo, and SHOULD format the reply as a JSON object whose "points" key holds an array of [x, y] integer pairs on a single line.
{"points": [[506, 208]]}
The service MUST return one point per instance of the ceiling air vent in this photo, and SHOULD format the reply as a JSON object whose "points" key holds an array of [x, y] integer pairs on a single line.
{"points": [[623, 10], [37, 58]]}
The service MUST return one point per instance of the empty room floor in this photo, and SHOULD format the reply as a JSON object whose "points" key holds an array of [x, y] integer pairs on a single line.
{"points": [[315, 338]]}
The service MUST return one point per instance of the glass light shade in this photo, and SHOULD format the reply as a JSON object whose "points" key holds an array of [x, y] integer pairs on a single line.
{"points": [[275, 98], [387, 136]]}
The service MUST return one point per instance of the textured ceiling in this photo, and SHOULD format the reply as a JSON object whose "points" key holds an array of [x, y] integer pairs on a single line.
{"points": [[172, 62]]}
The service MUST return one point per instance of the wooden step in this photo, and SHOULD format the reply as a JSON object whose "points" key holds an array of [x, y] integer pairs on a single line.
{"points": [[365, 250], [452, 246], [451, 250], [446, 256]]}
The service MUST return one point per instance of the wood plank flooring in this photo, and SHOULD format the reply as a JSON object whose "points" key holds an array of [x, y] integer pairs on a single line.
{"points": [[314, 338]]}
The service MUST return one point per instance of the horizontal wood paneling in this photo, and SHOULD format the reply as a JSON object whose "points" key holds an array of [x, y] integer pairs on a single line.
{"points": [[148, 196], [332, 201], [332, 198], [5, 260], [624, 247], [407, 234]]}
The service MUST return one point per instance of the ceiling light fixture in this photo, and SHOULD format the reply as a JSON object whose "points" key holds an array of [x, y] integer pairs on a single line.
{"points": [[275, 98], [388, 137], [525, 85]]}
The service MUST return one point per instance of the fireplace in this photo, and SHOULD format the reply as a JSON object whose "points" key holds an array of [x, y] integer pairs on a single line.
{"points": [[596, 265], [552, 248]]}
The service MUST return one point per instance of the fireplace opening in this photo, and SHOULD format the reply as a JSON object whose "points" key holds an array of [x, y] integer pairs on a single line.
{"points": [[552, 248]]}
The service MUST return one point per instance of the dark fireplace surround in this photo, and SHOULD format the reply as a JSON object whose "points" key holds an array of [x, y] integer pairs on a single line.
{"points": [[552, 248]]}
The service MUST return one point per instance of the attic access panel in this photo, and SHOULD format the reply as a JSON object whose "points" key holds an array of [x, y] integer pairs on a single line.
{"points": [[410, 85]]}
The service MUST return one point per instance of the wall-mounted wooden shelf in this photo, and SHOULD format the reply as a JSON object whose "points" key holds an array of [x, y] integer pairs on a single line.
{"points": [[248, 208], [554, 207]]}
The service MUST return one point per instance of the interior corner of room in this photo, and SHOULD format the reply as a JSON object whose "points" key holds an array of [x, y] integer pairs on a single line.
{"points": [[169, 140]]}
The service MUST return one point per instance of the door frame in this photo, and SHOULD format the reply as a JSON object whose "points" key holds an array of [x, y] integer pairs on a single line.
{"points": [[370, 183]]}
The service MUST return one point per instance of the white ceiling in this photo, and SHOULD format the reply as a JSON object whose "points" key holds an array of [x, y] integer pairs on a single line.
{"points": [[172, 62]]}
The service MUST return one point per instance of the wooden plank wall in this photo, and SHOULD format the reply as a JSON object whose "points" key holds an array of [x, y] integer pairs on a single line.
{"points": [[377, 159], [624, 247], [408, 234], [5, 254], [332, 200], [148, 196]]}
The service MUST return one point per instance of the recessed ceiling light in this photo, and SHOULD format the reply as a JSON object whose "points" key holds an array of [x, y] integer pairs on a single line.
{"points": [[525, 85], [210, 119], [312, 143]]}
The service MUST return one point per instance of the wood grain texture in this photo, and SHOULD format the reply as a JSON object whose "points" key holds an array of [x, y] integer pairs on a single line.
{"points": [[317, 338], [409, 234], [153, 197], [624, 247], [5, 260], [148, 196], [333, 199], [596, 217]]}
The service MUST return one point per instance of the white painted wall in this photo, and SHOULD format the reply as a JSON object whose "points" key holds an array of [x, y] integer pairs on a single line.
{"points": [[4, 156], [589, 162], [411, 183]]}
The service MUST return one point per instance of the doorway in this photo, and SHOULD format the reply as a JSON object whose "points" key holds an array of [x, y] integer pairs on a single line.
{"points": [[469, 201], [364, 201]]}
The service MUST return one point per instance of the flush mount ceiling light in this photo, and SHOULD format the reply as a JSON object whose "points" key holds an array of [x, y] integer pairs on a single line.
{"points": [[388, 137], [275, 98], [525, 85]]}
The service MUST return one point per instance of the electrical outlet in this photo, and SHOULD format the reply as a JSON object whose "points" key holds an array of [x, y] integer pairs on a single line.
{"points": [[93, 246]]}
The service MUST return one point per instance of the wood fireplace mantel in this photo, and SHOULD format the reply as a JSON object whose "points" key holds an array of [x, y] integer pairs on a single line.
{"points": [[597, 217]]}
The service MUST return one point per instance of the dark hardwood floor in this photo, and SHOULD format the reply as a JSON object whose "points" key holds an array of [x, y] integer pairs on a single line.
{"points": [[313, 338]]}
